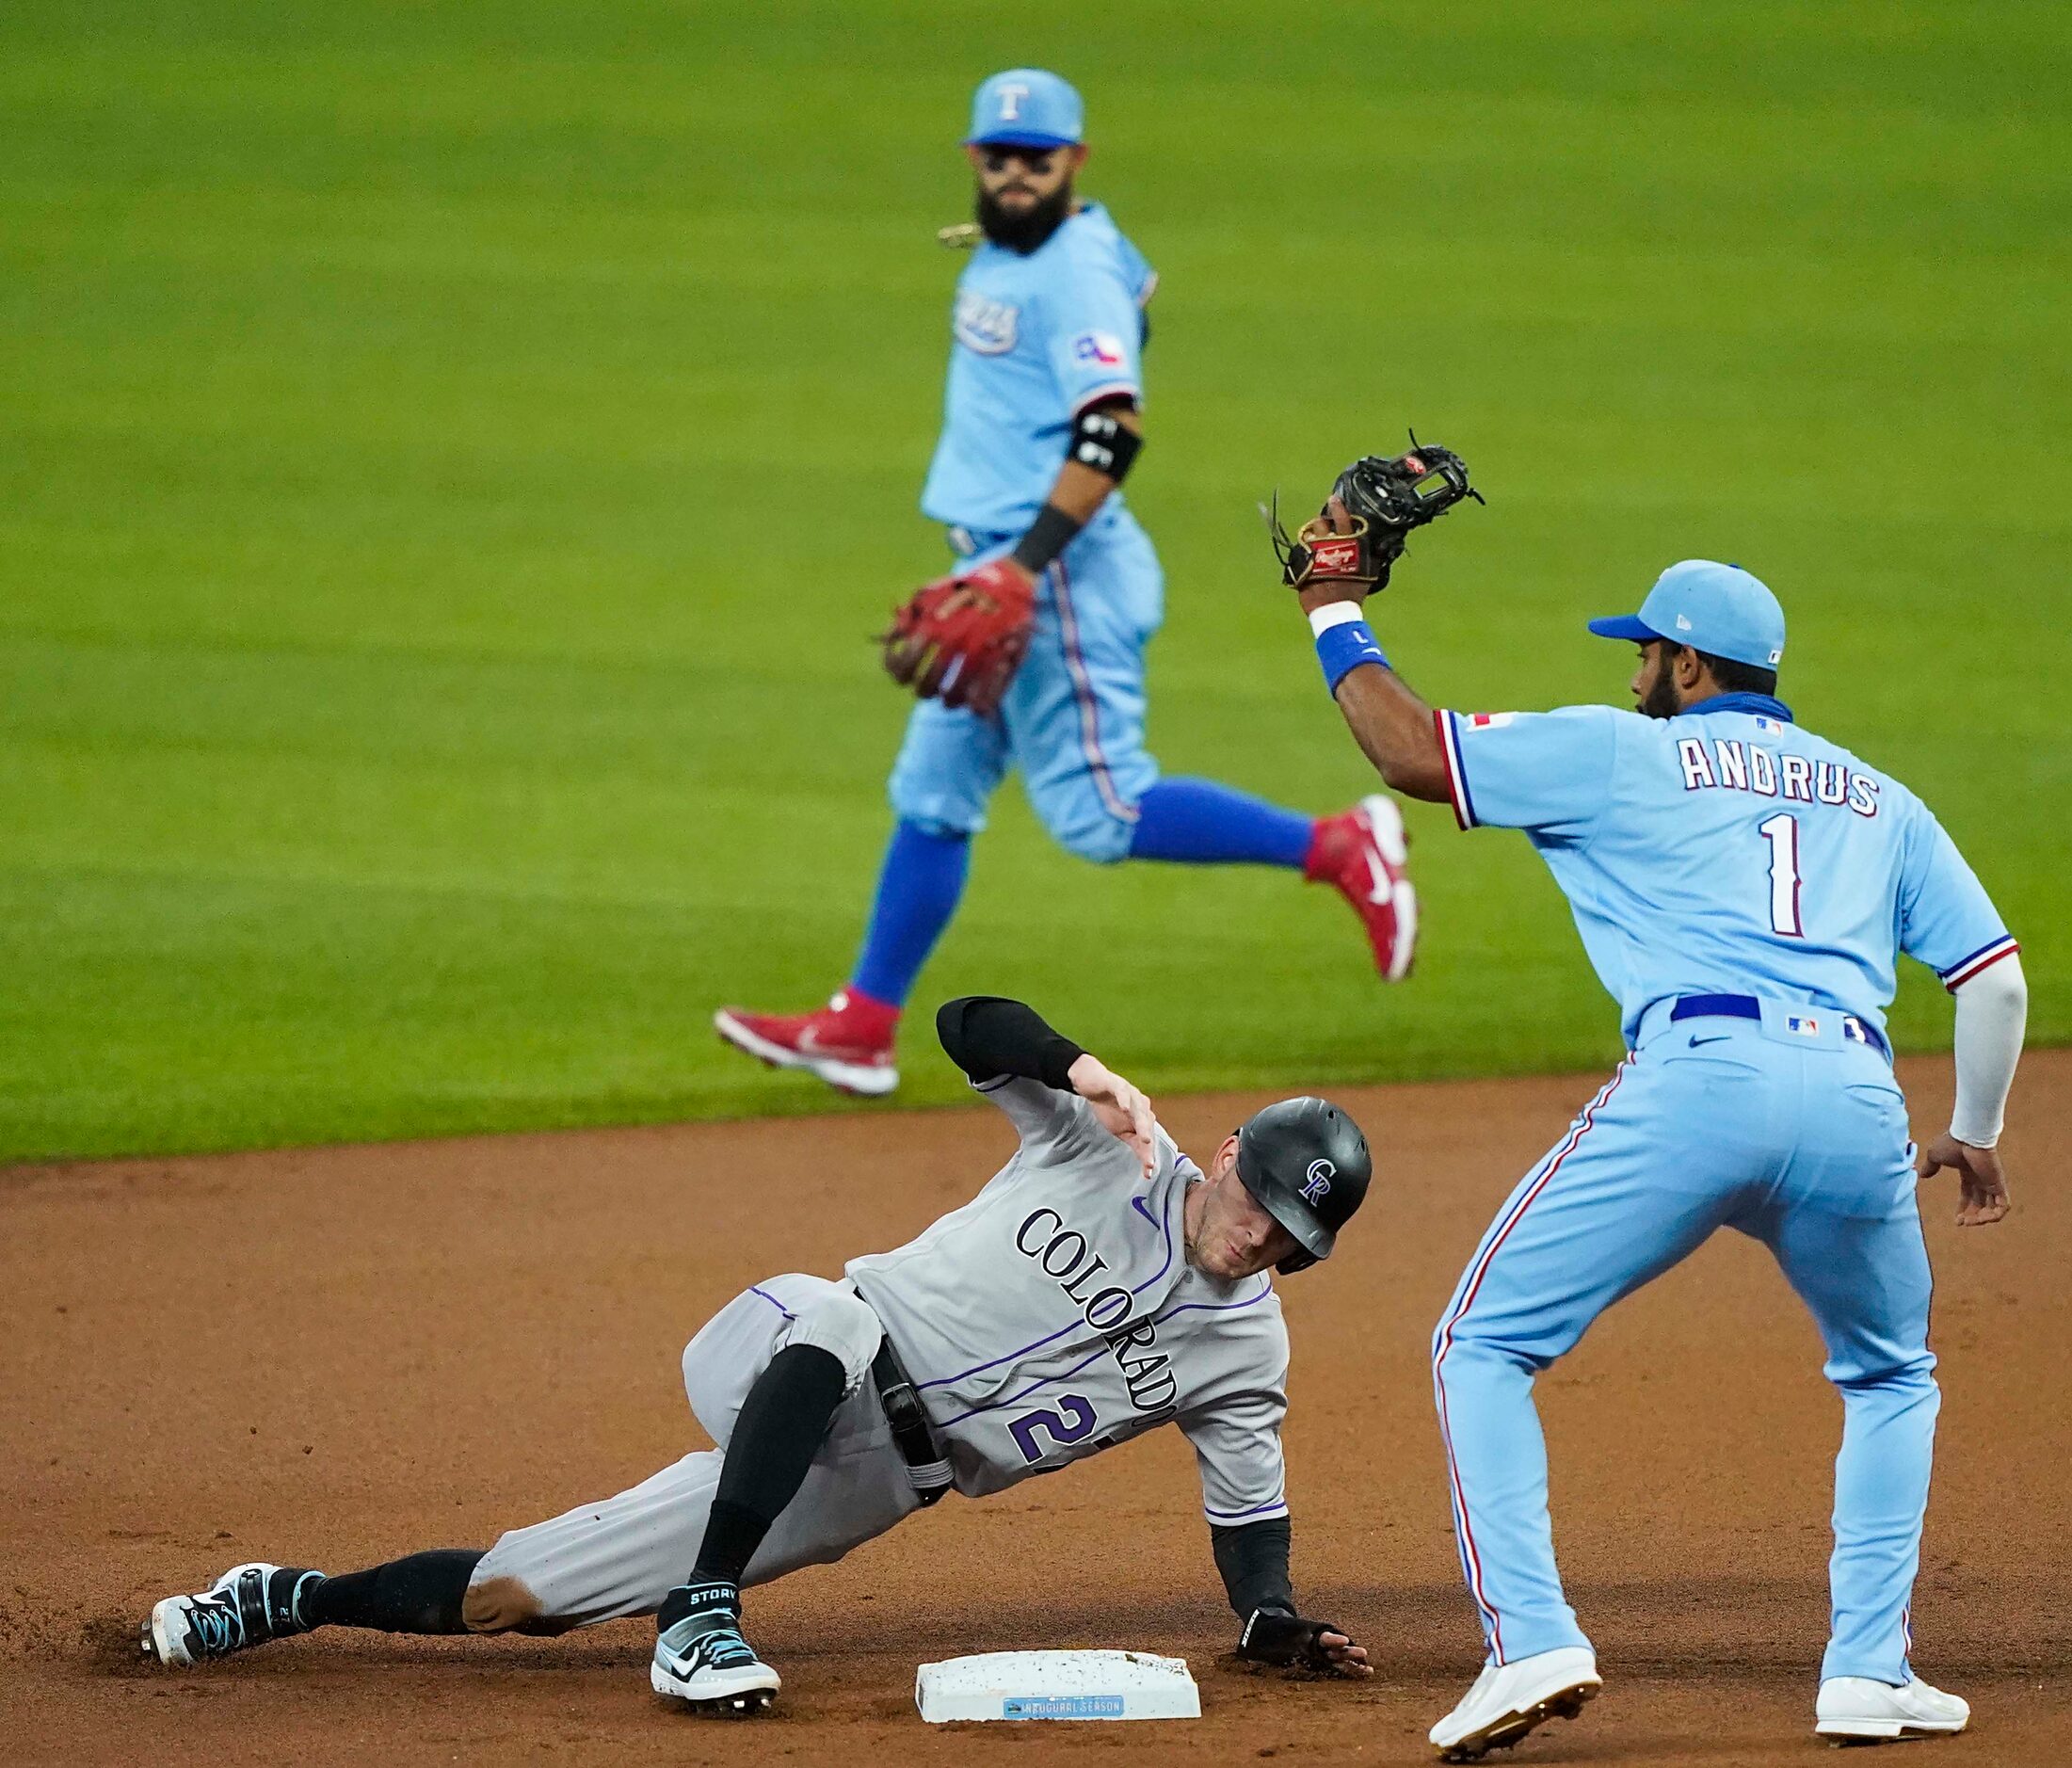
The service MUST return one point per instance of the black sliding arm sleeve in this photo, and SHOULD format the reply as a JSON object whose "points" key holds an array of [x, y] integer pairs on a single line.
{"points": [[1253, 1559], [987, 1036]]}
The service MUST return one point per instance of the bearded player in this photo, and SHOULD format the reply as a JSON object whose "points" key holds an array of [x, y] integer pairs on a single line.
{"points": [[1100, 1285], [1031, 656]]}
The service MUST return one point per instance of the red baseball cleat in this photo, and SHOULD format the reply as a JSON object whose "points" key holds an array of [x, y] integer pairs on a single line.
{"points": [[1366, 854], [848, 1043]]}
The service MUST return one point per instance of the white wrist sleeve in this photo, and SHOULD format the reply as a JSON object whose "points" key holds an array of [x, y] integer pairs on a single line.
{"points": [[1992, 1010], [1335, 613]]}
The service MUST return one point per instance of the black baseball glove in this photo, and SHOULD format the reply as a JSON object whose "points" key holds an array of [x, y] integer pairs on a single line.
{"points": [[1286, 1641], [1378, 502]]}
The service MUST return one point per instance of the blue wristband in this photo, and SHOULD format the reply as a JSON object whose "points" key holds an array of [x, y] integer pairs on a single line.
{"points": [[1343, 648]]}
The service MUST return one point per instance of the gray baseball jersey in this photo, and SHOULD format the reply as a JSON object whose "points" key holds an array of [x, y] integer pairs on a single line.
{"points": [[1056, 1314], [1052, 1315]]}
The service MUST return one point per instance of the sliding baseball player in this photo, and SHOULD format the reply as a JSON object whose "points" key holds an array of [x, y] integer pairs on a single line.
{"points": [[1100, 1285]]}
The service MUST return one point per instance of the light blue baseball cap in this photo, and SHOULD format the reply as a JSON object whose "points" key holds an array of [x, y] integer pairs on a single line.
{"points": [[1716, 608], [1026, 107]]}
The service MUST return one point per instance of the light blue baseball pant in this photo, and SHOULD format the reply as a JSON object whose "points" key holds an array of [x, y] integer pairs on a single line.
{"points": [[1072, 720], [1711, 1123]]}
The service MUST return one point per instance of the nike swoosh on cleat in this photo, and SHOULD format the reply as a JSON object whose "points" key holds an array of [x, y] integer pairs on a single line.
{"points": [[810, 1045], [1384, 886]]}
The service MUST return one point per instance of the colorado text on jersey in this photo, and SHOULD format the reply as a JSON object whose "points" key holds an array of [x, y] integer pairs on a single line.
{"points": [[1148, 1376]]}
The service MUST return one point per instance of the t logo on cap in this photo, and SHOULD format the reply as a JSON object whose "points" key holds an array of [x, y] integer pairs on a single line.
{"points": [[1026, 107]]}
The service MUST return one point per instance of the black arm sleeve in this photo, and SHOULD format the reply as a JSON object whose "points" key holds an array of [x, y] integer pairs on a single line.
{"points": [[987, 1036], [1253, 1559]]}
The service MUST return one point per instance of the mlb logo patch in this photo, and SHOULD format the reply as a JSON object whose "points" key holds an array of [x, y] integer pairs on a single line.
{"points": [[1099, 349], [1769, 726], [1489, 720], [1805, 1027]]}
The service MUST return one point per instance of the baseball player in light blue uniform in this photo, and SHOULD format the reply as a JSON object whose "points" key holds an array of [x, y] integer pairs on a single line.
{"points": [[1039, 338], [1042, 418], [1744, 888]]}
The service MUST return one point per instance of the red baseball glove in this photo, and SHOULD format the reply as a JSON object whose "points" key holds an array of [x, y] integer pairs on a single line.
{"points": [[960, 639]]}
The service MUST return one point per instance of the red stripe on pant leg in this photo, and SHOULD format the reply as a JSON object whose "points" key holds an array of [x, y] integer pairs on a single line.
{"points": [[1479, 1270], [1469, 1553], [1089, 708]]}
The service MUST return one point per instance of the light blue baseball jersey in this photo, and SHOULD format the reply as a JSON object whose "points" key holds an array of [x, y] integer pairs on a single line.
{"points": [[1036, 339], [1725, 850]]}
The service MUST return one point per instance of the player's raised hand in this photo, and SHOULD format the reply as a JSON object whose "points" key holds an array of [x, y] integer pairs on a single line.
{"points": [[1981, 1185], [1123, 1111], [1346, 551]]}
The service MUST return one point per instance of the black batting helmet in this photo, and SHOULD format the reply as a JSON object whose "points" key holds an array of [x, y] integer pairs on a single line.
{"points": [[1306, 1163]]}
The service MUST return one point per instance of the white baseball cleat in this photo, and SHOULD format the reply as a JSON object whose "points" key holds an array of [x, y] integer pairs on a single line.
{"points": [[1855, 1710], [703, 1659], [1510, 1699], [247, 1606]]}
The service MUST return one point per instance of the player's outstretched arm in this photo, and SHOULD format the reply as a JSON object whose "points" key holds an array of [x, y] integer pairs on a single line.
{"points": [[1334, 562], [988, 1035], [1392, 726], [1253, 1559]]}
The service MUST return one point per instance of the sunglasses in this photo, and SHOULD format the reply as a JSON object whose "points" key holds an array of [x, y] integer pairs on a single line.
{"points": [[1036, 160]]}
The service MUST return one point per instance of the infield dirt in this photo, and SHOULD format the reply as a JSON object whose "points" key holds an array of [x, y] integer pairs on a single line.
{"points": [[328, 1357]]}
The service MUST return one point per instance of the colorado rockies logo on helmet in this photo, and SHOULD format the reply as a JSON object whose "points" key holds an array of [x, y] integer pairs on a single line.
{"points": [[1307, 1166]]}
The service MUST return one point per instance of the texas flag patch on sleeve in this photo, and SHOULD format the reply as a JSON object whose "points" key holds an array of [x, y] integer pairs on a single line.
{"points": [[1099, 349], [1488, 720]]}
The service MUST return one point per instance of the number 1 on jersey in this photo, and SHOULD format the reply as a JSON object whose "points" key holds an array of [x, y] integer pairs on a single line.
{"points": [[1782, 832]]}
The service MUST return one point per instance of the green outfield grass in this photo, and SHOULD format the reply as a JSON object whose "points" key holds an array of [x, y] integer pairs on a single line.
{"points": [[451, 456]]}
